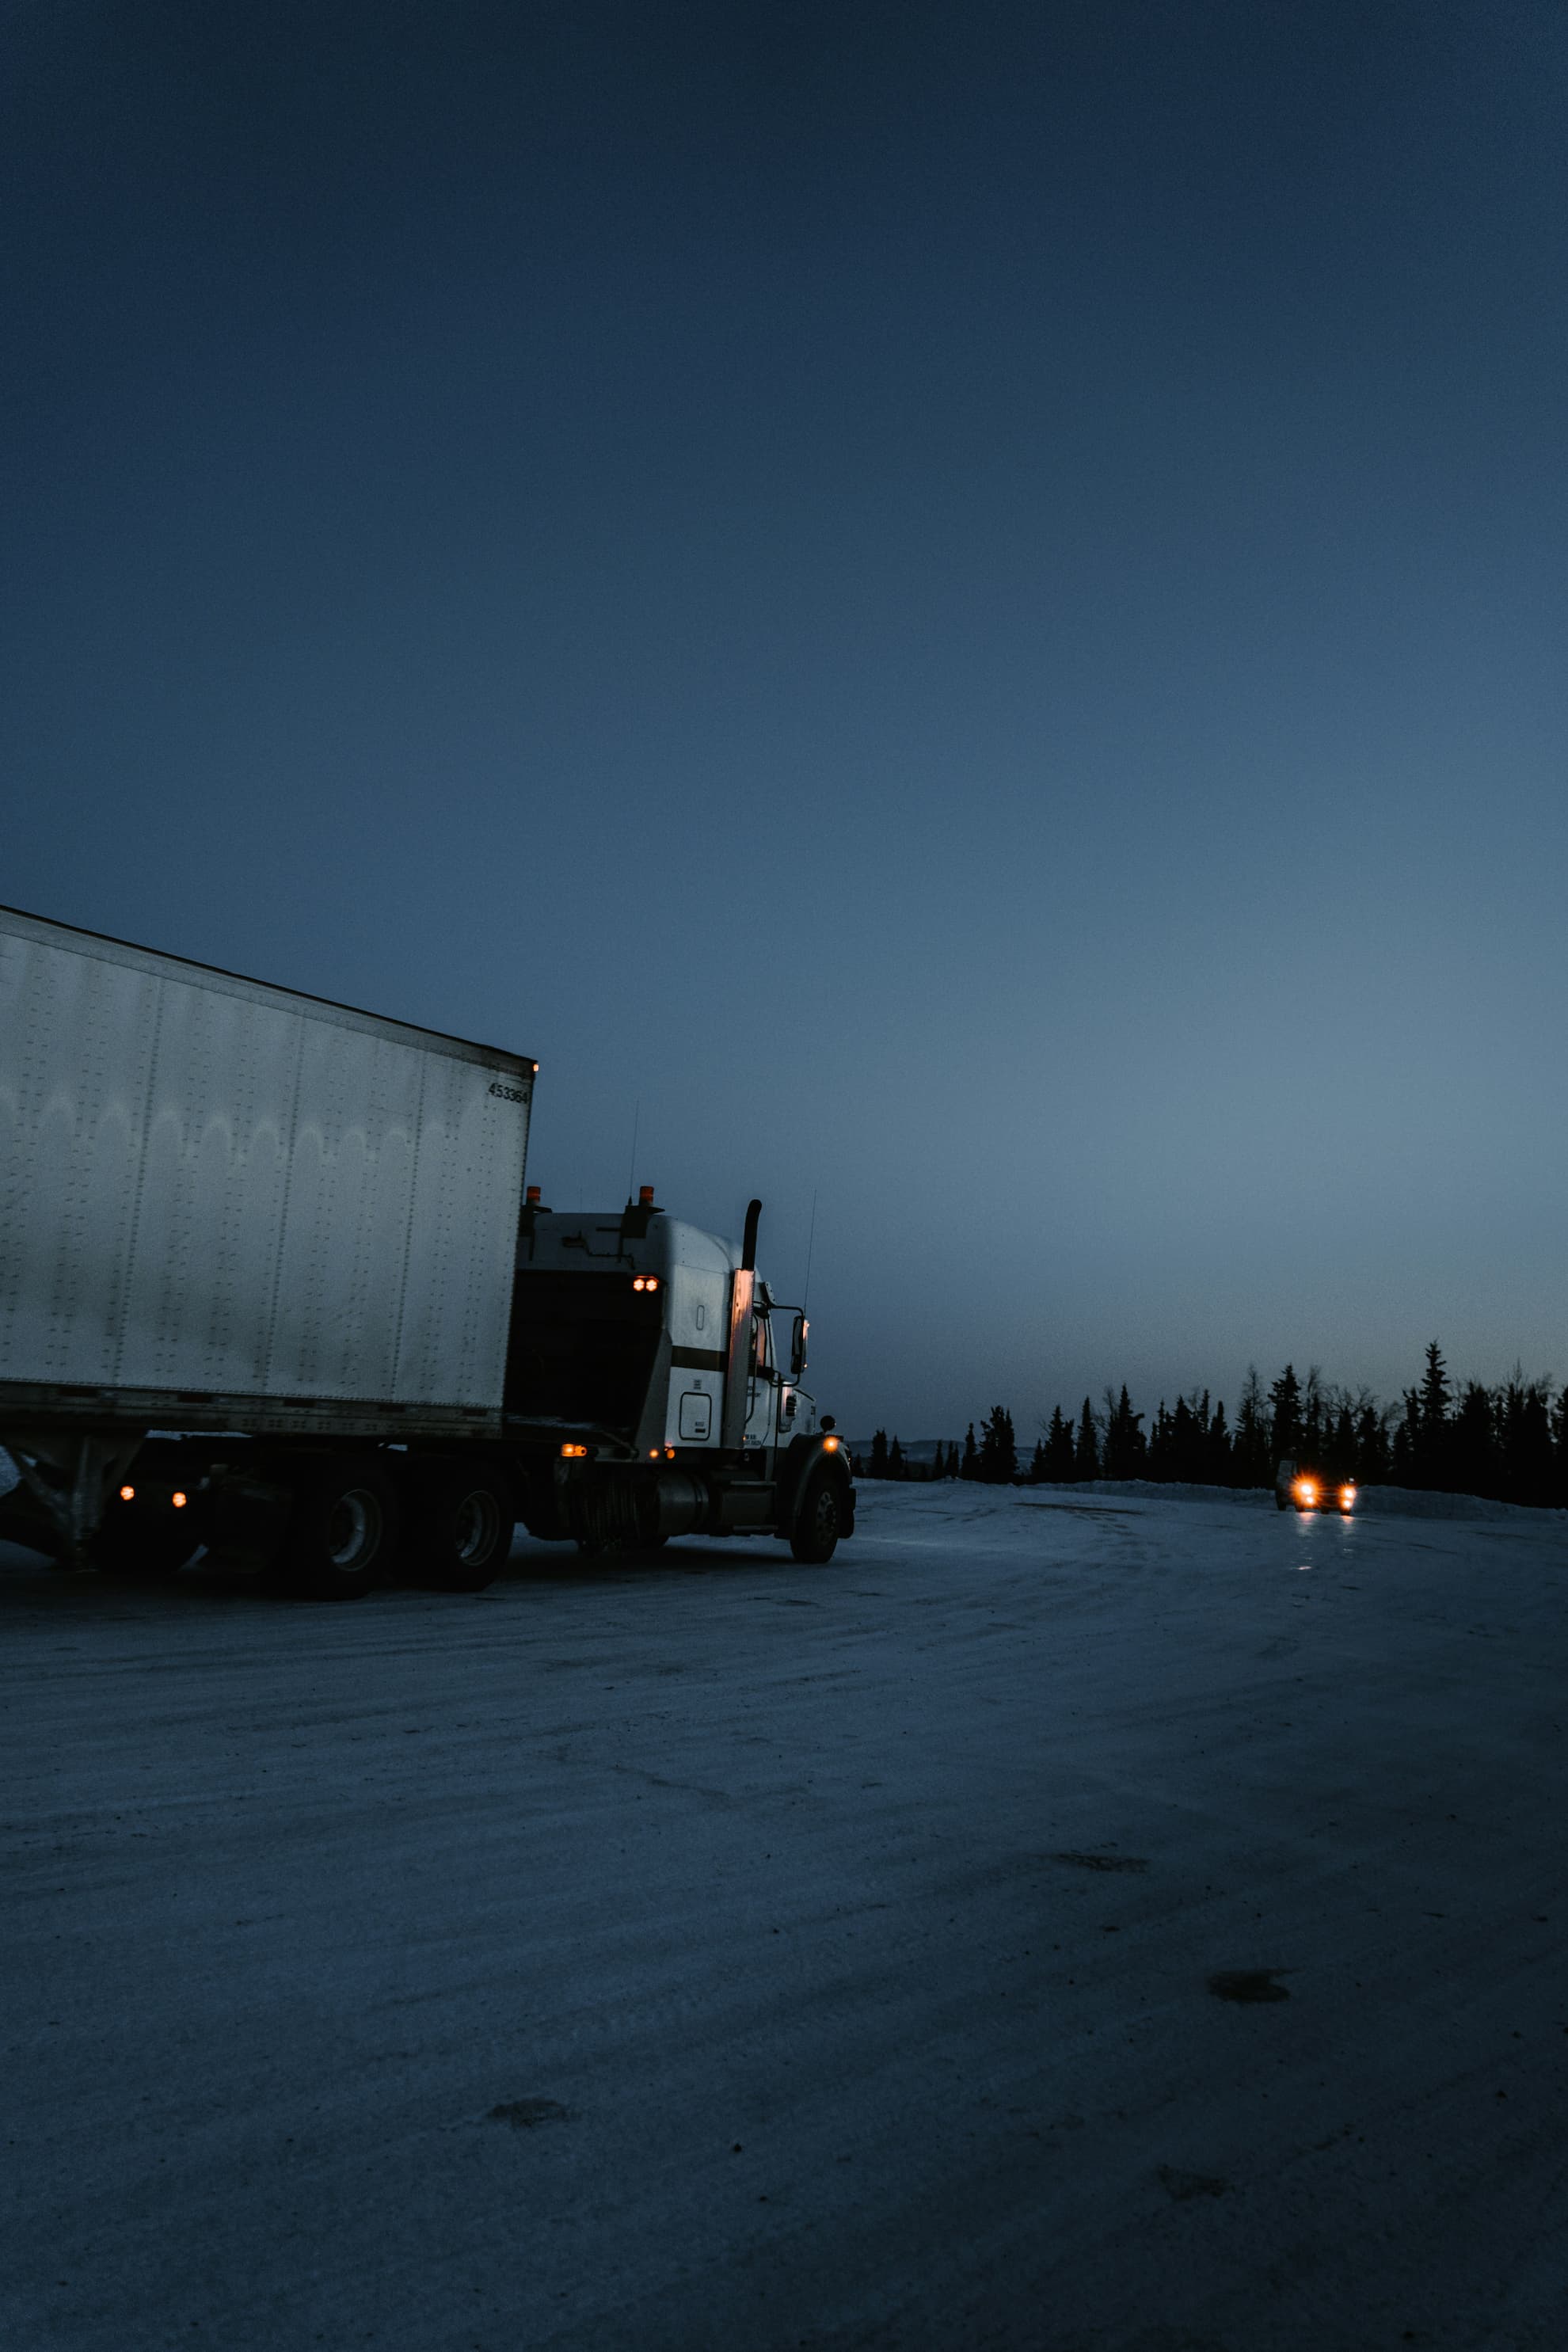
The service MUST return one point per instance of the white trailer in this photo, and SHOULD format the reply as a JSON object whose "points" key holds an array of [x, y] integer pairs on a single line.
{"points": [[262, 1263]]}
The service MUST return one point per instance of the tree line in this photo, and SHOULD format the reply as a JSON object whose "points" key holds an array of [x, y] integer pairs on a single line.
{"points": [[1509, 1442]]}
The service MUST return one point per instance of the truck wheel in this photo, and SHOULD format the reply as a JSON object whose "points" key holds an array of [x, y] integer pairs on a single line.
{"points": [[343, 1529], [818, 1520], [462, 1532]]}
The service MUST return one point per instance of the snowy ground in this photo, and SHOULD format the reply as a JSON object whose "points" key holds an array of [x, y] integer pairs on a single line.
{"points": [[719, 1953]]}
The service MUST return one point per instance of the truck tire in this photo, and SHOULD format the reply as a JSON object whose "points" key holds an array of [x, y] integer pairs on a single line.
{"points": [[343, 1529], [819, 1515], [462, 1529]]}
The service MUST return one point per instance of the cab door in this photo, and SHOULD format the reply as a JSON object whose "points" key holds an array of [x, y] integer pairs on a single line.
{"points": [[762, 1391]]}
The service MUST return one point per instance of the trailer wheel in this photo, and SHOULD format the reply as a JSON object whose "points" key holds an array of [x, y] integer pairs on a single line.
{"points": [[343, 1529], [463, 1529], [819, 1521]]}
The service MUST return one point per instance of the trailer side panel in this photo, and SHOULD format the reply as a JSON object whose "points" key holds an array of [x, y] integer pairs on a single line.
{"points": [[212, 1186]]}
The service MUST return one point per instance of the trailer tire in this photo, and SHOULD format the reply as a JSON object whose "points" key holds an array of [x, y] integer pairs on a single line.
{"points": [[343, 1529], [462, 1530], [818, 1520]]}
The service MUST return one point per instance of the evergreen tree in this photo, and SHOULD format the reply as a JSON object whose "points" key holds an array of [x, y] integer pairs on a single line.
{"points": [[1220, 1464], [1314, 1432], [1250, 1448], [878, 1467], [1371, 1454], [971, 1463], [1037, 1471], [1059, 1468], [895, 1458], [1529, 1469], [1284, 1418], [1126, 1447], [999, 1448], [1086, 1450], [1472, 1442], [1432, 1436]]}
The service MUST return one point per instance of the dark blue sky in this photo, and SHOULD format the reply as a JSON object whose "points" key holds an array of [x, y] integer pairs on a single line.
{"points": [[969, 603]]}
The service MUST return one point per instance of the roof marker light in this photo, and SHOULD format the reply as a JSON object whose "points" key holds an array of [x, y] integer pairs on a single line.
{"points": [[179, 1500], [128, 1494]]}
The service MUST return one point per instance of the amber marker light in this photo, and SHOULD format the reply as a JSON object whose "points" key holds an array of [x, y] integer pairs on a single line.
{"points": [[128, 1494], [179, 1500], [574, 1453], [830, 1445], [669, 1452]]}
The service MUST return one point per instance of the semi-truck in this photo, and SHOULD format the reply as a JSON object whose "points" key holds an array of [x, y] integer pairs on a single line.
{"points": [[273, 1282]]}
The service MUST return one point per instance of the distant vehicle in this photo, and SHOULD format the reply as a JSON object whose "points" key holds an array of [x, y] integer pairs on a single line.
{"points": [[1311, 1490], [271, 1280]]}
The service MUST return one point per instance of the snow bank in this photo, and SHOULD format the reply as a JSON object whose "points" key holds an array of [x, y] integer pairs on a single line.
{"points": [[1401, 1502]]}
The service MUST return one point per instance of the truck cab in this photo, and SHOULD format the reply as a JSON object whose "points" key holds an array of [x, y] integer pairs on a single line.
{"points": [[669, 1376]]}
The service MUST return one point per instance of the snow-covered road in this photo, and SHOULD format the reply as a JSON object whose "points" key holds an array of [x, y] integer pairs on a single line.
{"points": [[716, 1952]]}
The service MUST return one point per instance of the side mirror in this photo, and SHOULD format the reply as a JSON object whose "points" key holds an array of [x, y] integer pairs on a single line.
{"points": [[797, 1347]]}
